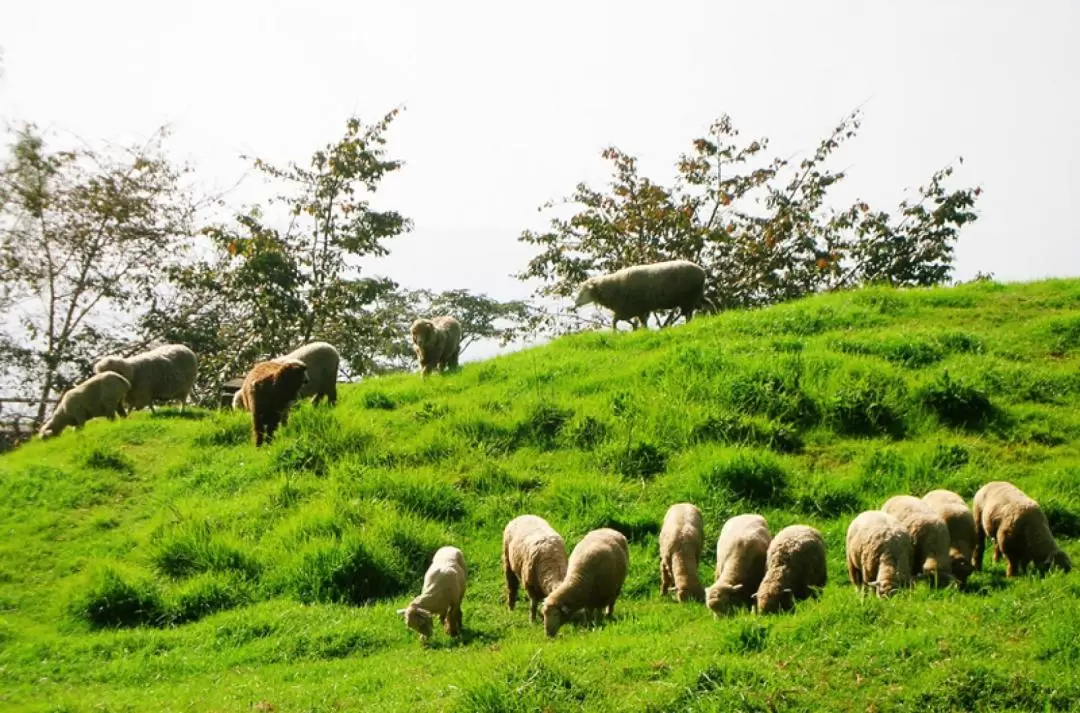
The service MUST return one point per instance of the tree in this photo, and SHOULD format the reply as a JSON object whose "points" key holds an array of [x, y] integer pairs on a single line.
{"points": [[760, 227], [85, 236]]}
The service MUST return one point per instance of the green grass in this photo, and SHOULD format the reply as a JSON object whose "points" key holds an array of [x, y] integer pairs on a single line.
{"points": [[161, 563]]}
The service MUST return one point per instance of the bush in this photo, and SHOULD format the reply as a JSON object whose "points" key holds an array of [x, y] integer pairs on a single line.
{"points": [[114, 598], [757, 480], [957, 404]]}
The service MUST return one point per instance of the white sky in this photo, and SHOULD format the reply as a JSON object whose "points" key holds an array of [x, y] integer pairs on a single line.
{"points": [[509, 105]]}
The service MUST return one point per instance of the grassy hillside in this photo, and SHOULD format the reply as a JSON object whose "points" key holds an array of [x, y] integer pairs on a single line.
{"points": [[162, 563]]}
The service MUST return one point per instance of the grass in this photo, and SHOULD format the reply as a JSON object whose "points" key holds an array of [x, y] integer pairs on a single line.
{"points": [[163, 563]]}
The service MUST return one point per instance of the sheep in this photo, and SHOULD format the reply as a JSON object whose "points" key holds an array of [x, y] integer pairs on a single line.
{"points": [[162, 374], [594, 579], [444, 588], [321, 360], [795, 569], [534, 555], [951, 508], [437, 343], [1019, 529], [238, 400], [741, 551], [879, 550], [269, 390], [100, 395], [639, 290], [681, 539], [929, 537]]}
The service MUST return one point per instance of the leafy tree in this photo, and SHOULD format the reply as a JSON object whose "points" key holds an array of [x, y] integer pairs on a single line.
{"points": [[759, 226], [85, 236]]}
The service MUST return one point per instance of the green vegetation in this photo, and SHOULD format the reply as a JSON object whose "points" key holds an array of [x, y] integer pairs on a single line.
{"points": [[162, 563]]}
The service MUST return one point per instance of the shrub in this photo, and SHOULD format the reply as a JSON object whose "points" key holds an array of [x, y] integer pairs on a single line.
{"points": [[756, 479], [957, 404], [429, 411], [112, 598]]}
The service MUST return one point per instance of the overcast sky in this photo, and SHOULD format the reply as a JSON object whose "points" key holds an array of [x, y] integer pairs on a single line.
{"points": [[509, 104]]}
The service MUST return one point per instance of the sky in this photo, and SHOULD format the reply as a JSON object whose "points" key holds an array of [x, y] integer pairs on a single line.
{"points": [[508, 105]]}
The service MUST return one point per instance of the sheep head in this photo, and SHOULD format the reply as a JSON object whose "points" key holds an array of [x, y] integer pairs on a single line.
{"points": [[417, 619], [555, 615], [586, 294], [721, 598], [421, 330]]}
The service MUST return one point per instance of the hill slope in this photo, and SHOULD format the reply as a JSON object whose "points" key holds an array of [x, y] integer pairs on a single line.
{"points": [[162, 563]]}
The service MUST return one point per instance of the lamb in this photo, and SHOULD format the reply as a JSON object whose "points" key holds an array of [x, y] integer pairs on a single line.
{"points": [[437, 343], [269, 390], [741, 550], [681, 539], [100, 395], [961, 523], [879, 550], [534, 555], [163, 374], [795, 569], [929, 536], [594, 579], [639, 290], [1019, 529], [444, 588], [321, 360]]}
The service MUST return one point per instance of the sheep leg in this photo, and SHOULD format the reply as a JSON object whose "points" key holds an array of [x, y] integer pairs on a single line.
{"points": [[666, 580], [120, 410], [331, 394], [452, 360], [512, 584], [854, 575], [534, 608], [610, 611], [980, 544]]}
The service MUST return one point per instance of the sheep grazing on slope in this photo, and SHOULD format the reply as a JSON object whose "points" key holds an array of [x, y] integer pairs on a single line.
{"points": [[951, 508], [100, 395], [681, 540], [741, 551], [163, 374], [533, 555], [437, 343], [1019, 529], [594, 579], [321, 360], [638, 291], [879, 550], [795, 569], [444, 588], [929, 537], [269, 390]]}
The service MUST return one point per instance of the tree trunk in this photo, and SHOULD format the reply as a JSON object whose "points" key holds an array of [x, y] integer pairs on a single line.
{"points": [[46, 389]]}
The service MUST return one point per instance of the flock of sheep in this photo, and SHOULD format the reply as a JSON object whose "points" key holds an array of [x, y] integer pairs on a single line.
{"points": [[935, 537]]}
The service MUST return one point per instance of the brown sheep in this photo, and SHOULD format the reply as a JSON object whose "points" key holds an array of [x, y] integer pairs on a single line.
{"points": [[1019, 529], [929, 536], [534, 555], [437, 343], [795, 568], [269, 390], [961, 523], [681, 540]]}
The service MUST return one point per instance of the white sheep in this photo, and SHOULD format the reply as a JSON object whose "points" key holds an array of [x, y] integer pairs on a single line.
{"points": [[321, 360], [681, 540], [437, 343], [951, 508], [879, 550], [163, 374], [795, 569], [1019, 529], [929, 538], [444, 588], [741, 551], [640, 290], [594, 579], [533, 555], [100, 395]]}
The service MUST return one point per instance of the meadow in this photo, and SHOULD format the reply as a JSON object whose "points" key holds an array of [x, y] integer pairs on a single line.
{"points": [[162, 563]]}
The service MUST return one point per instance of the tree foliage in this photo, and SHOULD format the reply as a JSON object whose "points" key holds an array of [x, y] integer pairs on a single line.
{"points": [[761, 227], [85, 236]]}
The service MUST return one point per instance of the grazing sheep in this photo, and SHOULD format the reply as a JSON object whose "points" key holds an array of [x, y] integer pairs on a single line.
{"points": [[437, 343], [1019, 529], [681, 539], [163, 374], [951, 508], [321, 360], [879, 550], [640, 290], [794, 569], [929, 537], [741, 551], [444, 588], [100, 395], [269, 390], [594, 579], [534, 555]]}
